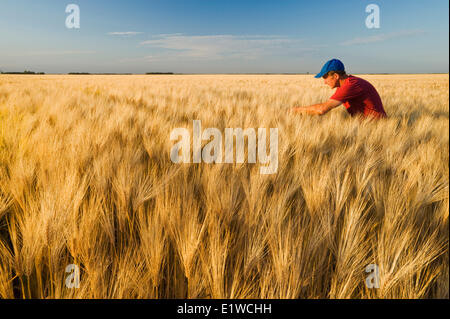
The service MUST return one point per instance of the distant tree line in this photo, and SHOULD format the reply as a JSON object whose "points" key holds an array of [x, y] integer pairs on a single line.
{"points": [[24, 72], [87, 73]]}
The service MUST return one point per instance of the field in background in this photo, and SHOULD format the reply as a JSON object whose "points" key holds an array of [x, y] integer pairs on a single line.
{"points": [[86, 179]]}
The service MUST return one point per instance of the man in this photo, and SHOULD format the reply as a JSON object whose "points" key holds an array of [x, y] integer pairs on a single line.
{"points": [[358, 96]]}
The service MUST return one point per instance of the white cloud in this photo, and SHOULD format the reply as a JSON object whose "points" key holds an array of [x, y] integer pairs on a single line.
{"points": [[383, 37], [218, 47], [127, 33]]}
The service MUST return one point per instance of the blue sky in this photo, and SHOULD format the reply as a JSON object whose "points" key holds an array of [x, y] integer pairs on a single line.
{"points": [[230, 36]]}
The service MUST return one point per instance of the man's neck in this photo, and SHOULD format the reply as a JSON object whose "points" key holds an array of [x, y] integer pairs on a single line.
{"points": [[342, 80]]}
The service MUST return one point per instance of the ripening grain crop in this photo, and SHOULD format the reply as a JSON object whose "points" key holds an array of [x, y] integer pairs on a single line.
{"points": [[86, 179]]}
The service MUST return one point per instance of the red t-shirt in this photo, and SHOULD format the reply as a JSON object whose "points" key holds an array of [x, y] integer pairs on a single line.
{"points": [[360, 98]]}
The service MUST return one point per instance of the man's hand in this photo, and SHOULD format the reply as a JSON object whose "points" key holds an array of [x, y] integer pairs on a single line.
{"points": [[317, 109]]}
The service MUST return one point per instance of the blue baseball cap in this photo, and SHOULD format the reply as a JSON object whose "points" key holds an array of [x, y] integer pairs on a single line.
{"points": [[332, 65]]}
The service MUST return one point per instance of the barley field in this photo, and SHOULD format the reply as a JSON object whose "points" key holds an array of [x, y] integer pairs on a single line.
{"points": [[86, 179]]}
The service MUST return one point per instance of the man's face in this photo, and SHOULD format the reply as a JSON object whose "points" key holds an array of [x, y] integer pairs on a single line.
{"points": [[331, 80]]}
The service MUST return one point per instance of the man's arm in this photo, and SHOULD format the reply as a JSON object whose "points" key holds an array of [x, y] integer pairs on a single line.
{"points": [[317, 109]]}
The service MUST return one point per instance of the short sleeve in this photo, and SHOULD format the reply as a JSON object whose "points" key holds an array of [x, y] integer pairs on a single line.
{"points": [[347, 92]]}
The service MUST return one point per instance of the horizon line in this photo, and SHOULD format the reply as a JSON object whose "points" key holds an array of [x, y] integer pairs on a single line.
{"points": [[203, 73]]}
